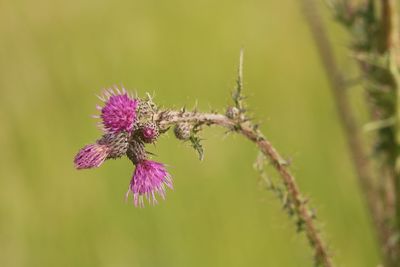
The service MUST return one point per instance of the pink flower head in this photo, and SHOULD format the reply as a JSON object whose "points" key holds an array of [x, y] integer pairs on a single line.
{"points": [[91, 156], [119, 112], [150, 177]]}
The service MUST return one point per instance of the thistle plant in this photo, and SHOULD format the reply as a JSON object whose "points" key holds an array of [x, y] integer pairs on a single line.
{"points": [[129, 123]]}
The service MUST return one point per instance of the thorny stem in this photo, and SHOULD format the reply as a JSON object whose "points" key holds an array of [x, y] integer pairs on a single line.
{"points": [[338, 88], [238, 122], [167, 118]]}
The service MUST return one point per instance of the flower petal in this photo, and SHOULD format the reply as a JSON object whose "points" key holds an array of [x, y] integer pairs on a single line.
{"points": [[119, 111], [149, 178], [91, 156]]}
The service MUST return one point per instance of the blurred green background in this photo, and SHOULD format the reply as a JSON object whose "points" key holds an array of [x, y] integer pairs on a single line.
{"points": [[56, 55]]}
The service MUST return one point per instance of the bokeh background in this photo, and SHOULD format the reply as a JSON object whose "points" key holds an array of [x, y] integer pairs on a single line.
{"points": [[56, 55]]}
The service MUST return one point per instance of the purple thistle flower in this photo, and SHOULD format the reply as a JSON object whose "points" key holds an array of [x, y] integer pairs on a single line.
{"points": [[150, 177], [119, 112], [91, 156], [128, 124]]}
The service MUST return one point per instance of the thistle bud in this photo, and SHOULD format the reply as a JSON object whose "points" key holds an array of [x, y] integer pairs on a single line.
{"points": [[183, 131], [149, 132], [117, 143], [232, 112], [136, 151], [146, 108]]}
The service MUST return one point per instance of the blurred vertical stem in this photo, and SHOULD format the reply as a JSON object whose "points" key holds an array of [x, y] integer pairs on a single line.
{"points": [[376, 49], [338, 88], [390, 28]]}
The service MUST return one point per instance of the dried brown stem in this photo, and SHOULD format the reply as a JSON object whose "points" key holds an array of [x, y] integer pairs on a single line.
{"points": [[247, 129]]}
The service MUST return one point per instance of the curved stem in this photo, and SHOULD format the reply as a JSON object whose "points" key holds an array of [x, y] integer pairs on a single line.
{"points": [[303, 212]]}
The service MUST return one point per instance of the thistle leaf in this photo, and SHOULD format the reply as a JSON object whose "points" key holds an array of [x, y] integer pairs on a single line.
{"points": [[195, 140]]}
